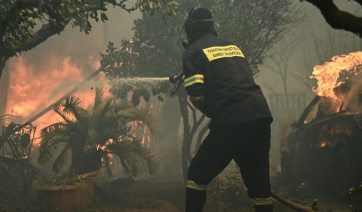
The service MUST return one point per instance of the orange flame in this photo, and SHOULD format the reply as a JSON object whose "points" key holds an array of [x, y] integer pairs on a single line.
{"points": [[32, 91], [328, 74]]}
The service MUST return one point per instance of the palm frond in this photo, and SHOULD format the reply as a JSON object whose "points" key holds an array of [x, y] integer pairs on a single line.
{"points": [[48, 147], [103, 108], [109, 121], [98, 117], [61, 160], [108, 133], [134, 163], [93, 137], [77, 130], [122, 150], [61, 114], [72, 105], [145, 154], [122, 106], [132, 155], [106, 121], [126, 168], [98, 98], [137, 114], [56, 129]]}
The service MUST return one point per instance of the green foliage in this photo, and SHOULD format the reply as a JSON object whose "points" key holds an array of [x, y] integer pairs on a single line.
{"points": [[120, 64], [19, 18], [155, 49], [93, 137], [356, 193], [256, 26]]}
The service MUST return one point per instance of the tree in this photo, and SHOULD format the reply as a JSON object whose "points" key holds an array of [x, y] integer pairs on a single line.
{"points": [[338, 19], [20, 18], [155, 49], [280, 64], [253, 26], [95, 136]]}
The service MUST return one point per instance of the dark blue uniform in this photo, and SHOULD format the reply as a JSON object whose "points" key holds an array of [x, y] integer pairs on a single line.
{"points": [[240, 121], [216, 69]]}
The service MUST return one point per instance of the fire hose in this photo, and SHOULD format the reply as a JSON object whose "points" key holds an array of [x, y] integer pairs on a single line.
{"points": [[177, 81], [290, 204]]}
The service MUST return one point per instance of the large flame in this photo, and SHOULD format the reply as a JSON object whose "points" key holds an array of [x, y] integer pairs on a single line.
{"points": [[32, 90], [328, 75]]}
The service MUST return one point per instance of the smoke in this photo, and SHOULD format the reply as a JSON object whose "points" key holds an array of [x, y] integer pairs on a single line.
{"points": [[40, 76], [48, 71]]}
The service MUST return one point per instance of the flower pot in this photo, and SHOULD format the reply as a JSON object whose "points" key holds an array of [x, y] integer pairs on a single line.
{"points": [[84, 196], [57, 198]]}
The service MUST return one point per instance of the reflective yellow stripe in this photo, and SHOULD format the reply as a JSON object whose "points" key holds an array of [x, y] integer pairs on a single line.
{"points": [[217, 52], [194, 77], [196, 186], [262, 201], [193, 82], [198, 78]]}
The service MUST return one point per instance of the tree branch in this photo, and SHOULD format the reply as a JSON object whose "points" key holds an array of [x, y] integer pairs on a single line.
{"points": [[267, 86], [16, 8], [304, 82], [338, 19], [46, 31]]}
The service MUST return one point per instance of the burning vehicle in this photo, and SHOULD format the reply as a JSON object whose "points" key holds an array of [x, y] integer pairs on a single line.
{"points": [[326, 141]]}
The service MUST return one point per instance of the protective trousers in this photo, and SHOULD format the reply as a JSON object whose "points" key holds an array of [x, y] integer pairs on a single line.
{"points": [[248, 144]]}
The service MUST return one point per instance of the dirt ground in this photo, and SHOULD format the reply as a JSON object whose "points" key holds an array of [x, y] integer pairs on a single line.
{"points": [[167, 195]]}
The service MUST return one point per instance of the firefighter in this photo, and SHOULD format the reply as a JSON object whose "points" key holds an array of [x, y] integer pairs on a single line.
{"points": [[220, 84]]}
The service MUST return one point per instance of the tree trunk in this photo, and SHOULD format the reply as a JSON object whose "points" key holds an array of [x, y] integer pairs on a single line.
{"points": [[189, 131], [287, 101], [2, 64]]}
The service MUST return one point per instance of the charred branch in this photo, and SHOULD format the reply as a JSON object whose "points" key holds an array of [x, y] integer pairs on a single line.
{"points": [[338, 19], [359, 2]]}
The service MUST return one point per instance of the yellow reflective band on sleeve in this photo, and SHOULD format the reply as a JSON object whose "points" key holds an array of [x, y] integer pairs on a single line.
{"points": [[262, 201], [217, 52], [191, 184], [198, 78]]}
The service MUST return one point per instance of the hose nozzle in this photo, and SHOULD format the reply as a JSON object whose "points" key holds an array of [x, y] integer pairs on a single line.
{"points": [[177, 80]]}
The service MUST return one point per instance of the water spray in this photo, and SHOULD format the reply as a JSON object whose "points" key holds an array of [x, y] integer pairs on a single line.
{"points": [[146, 82]]}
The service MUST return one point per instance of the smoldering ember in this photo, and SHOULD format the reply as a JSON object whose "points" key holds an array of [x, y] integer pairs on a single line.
{"points": [[180, 105]]}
